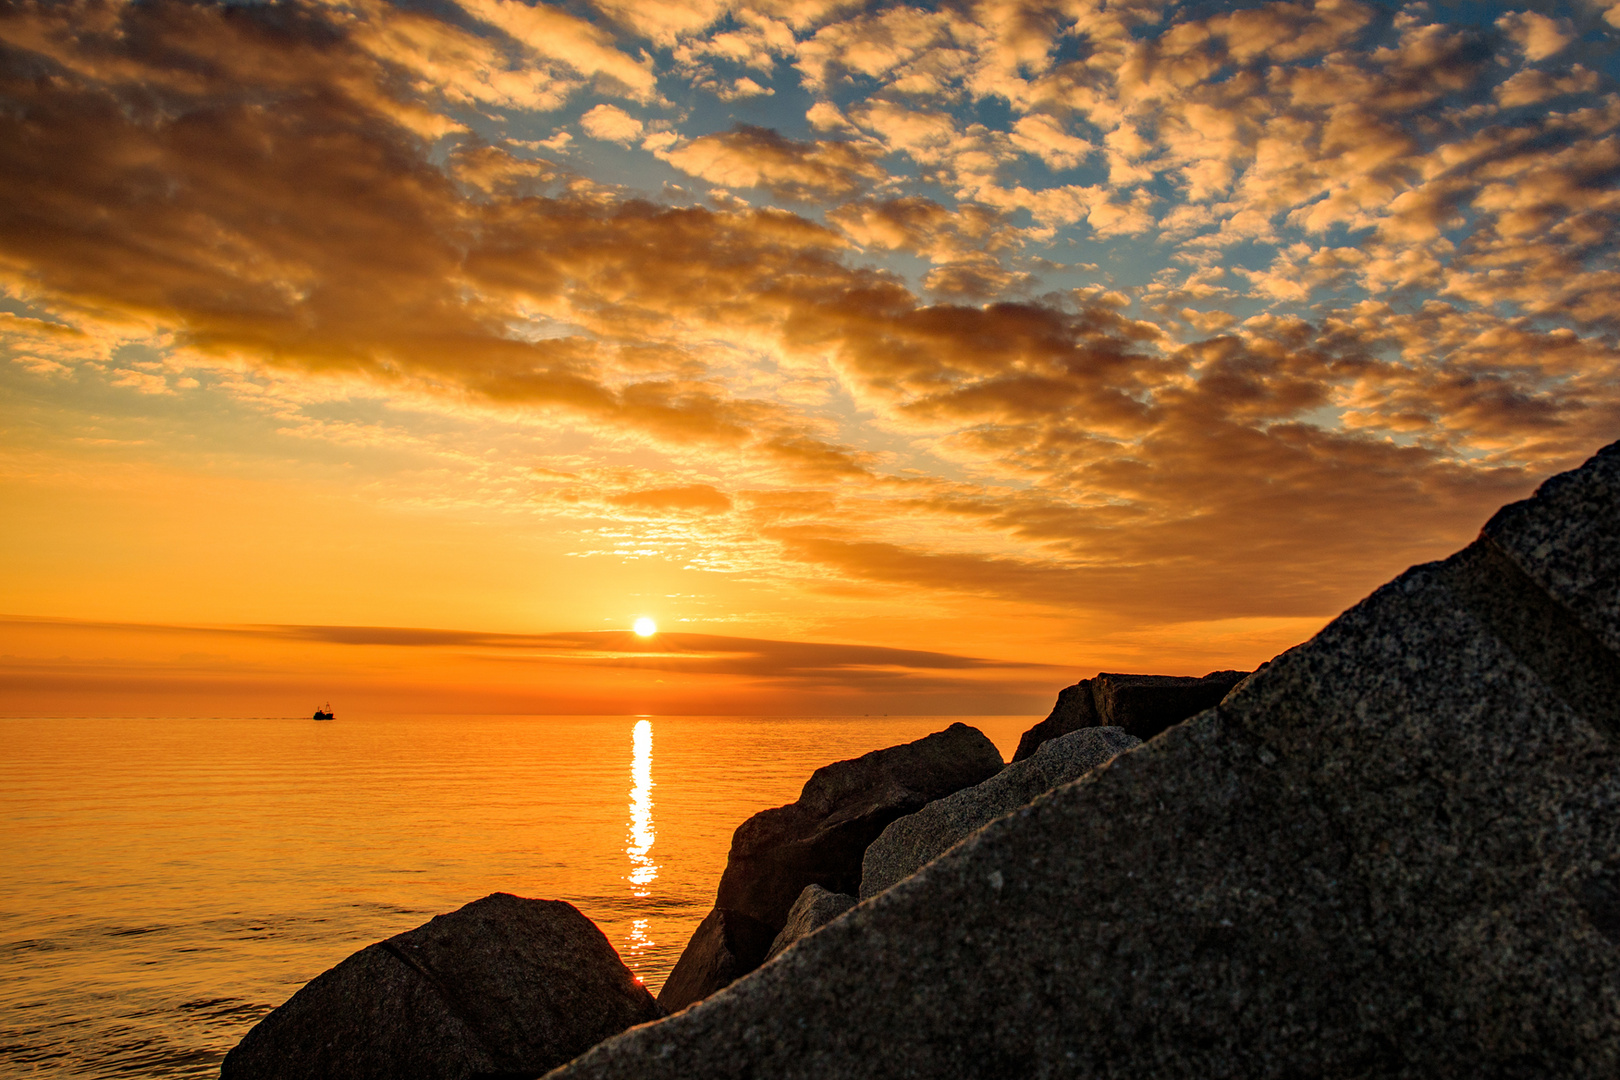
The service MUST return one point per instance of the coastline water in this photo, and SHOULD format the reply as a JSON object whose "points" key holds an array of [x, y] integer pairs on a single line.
{"points": [[165, 882]]}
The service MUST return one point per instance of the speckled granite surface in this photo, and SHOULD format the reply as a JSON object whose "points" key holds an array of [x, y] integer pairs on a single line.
{"points": [[917, 839]]}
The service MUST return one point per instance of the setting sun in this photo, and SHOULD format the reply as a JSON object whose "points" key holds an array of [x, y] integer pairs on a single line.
{"points": [[645, 627]]}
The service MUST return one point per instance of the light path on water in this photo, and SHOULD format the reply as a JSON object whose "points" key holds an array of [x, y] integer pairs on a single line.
{"points": [[165, 882]]}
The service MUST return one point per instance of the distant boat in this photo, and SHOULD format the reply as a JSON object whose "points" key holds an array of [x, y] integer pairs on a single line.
{"points": [[326, 713]]}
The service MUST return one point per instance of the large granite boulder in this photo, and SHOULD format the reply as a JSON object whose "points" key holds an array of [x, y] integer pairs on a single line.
{"points": [[815, 908], [503, 987], [1394, 852], [819, 840], [1143, 705], [911, 842]]}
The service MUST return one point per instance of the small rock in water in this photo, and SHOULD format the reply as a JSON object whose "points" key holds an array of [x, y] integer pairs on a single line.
{"points": [[1143, 705], [819, 840], [917, 839], [815, 908], [502, 987]]}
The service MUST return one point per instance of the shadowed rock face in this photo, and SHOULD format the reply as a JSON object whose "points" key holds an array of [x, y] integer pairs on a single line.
{"points": [[819, 840], [1394, 852], [917, 839], [502, 987], [726, 946], [1143, 705], [815, 908]]}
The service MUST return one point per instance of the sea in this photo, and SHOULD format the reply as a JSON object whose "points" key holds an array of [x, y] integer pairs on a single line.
{"points": [[165, 882]]}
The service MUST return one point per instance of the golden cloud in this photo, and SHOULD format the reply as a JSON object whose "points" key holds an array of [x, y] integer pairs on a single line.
{"points": [[748, 156]]}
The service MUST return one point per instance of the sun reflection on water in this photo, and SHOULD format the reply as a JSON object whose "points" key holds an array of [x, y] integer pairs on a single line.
{"points": [[643, 870]]}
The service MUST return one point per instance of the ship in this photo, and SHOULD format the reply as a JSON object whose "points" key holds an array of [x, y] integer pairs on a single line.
{"points": [[326, 713]]}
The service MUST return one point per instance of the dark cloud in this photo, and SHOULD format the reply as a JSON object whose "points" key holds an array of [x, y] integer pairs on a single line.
{"points": [[692, 653]]}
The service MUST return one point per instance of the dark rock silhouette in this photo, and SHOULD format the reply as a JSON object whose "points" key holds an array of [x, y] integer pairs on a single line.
{"points": [[911, 842], [1393, 852], [819, 840], [726, 946], [502, 987], [1143, 705], [815, 908]]}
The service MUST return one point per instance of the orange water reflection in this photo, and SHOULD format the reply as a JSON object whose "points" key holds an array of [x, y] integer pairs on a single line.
{"points": [[164, 882], [643, 870]]}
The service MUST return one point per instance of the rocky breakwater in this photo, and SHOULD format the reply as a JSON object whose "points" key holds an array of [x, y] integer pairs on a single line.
{"points": [[1393, 852], [1141, 705], [915, 840], [818, 840], [502, 987]]}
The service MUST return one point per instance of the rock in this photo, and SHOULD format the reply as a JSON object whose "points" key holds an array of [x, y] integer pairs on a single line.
{"points": [[819, 840], [1395, 852], [911, 842], [504, 986], [1075, 709], [1143, 705], [815, 908], [726, 946]]}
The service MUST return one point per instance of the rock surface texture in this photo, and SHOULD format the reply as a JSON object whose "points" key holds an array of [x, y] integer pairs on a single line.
{"points": [[1143, 705], [820, 839], [917, 839], [815, 908], [1394, 852], [726, 946], [503, 987]]}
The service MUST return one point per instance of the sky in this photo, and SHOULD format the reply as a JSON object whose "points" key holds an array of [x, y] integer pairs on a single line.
{"points": [[891, 357]]}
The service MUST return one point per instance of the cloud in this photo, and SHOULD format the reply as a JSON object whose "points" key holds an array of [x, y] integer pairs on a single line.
{"points": [[701, 498], [698, 653], [924, 227], [748, 156], [1045, 138], [610, 124], [451, 65], [1537, 35], [913, 47], [124, 668], [1532, 86], [547, 32], [968, 245]]}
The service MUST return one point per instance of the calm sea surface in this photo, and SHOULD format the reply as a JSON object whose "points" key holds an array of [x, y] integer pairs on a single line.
{"points": [[166, 882]]}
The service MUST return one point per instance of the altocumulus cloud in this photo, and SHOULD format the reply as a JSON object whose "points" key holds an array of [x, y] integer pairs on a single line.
{"points": [[1222, 309]]}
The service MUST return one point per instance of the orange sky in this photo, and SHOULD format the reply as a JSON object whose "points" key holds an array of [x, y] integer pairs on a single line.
{"points": [[893, 357]]}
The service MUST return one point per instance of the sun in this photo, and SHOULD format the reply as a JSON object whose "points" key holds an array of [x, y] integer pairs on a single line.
{"points": [[645, 627]]}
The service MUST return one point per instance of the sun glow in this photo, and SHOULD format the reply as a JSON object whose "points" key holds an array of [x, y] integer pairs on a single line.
{"points": [[645, 627]]}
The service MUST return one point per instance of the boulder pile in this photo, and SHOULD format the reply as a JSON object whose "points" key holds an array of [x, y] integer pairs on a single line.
{"points": [[818, 840], [1393, 852]]}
